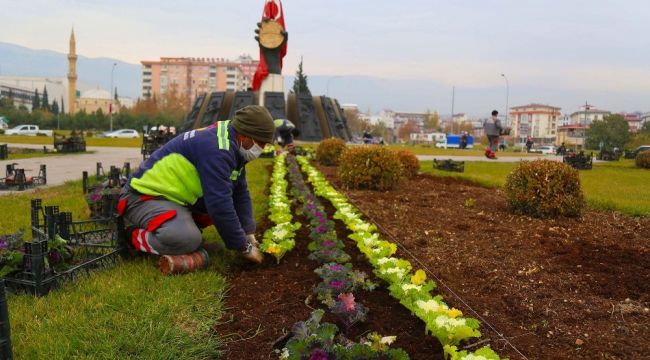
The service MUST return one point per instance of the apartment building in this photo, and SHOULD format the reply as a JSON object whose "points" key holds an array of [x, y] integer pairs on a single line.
{"points": [[535, 120], [588, 115], [195, 76]]}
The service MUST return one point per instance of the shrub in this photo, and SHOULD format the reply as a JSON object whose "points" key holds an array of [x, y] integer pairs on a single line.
{"points": [[329, 151], [410, 163], [370, 167], [544, 188], [642, 159]]}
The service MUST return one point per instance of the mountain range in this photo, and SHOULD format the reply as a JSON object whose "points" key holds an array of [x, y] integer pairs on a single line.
{"points": [[17, 60], [371, 93]]}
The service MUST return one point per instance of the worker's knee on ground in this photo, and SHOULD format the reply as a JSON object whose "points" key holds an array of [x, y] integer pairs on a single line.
{"points": [[179, 239]]}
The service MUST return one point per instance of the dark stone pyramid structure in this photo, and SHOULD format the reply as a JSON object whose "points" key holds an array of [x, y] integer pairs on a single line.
{"points": [[317, 117]]}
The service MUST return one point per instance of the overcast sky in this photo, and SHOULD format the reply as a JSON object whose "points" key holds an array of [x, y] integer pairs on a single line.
{"points": [[566, 45]]}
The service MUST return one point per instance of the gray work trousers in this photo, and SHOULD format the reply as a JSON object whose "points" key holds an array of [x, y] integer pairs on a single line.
{"points": [[494, 142], [162, 226]]}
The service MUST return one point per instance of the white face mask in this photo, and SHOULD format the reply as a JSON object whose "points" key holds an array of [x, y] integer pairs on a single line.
{"points": [[250, 154]]}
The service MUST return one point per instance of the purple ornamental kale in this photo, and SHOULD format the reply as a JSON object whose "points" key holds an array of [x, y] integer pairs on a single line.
{"points": [[336, 267], [318, 354], [337, 284]]}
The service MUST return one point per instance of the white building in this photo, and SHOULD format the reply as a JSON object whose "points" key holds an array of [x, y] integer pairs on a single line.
{"points": [[588, 115], [57, 87], [535, 120]]}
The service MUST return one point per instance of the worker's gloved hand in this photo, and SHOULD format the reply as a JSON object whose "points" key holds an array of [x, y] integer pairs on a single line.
{"points": [[291, 149], [252, 254], [251, 239]]}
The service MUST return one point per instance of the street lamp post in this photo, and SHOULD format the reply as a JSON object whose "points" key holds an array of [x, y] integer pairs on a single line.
{"points": [[111, 106], [507, 97], [328, 84]]}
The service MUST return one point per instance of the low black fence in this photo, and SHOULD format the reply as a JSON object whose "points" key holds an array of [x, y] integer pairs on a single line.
{"points": [[102, 196], [449, 165], [579, 161], [17, 179], [71, 144], [62, 249]]}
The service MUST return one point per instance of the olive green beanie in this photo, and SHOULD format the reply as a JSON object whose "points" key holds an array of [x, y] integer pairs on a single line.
{"points": [[255, 121]]}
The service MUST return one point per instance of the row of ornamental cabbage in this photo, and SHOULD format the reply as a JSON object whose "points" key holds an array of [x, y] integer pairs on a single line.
{"points": [[280, 238], [312, 339], [412, 289]]}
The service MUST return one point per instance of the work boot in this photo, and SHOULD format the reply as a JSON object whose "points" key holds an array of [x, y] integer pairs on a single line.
{"points": [[253, 254], [181, 264]]}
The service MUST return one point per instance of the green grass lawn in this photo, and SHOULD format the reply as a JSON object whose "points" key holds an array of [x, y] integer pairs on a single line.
{"points": [[618, 186], [432, 150], [130, 311], [31, 155], [90, 141]]}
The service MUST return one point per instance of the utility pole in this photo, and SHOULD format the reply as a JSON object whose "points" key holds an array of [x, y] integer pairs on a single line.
{"points": [[112, 95], [453, 99], [507, 97]]}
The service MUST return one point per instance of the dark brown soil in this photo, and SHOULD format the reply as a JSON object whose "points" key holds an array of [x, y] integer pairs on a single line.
{"points": [[556, 289], [265, 302]]}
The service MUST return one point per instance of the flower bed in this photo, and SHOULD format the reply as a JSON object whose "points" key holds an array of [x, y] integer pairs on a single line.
{"points": [[412, 289], [279, 239], [339, 282]]}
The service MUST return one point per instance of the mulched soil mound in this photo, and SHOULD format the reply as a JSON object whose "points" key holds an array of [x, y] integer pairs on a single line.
{"points": [[264, 303], [557, 289]]}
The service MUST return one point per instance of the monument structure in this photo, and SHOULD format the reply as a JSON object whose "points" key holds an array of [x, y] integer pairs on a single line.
{"points": [[316, 117]]}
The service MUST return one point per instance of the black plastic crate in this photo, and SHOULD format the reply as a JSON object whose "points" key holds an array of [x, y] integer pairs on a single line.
{"points": [[5, 333], [17, 179], [91, 244]]}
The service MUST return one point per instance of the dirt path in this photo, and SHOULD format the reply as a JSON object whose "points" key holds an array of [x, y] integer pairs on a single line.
{"points": [[558, 289]]}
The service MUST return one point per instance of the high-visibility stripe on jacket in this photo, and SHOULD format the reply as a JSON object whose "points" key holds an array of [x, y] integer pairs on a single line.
{"points": [[202, 169]]}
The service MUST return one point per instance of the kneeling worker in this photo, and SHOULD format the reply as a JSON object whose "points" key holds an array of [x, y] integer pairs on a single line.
{"points": [[195, 180], [285, 131]]}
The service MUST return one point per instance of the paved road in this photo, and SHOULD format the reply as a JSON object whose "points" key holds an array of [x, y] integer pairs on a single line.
{"points": [[69, 167]]}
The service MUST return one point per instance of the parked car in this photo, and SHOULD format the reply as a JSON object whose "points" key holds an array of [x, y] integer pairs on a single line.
{"points": [[642, 148], [544, 149], [29, 130], [122, 133]]}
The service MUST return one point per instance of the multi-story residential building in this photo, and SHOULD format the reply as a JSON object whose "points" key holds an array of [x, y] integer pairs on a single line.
{"points": [[535, 120], [634, 121], [588, 115], [195, 76], [401, 118], [248, 67]]}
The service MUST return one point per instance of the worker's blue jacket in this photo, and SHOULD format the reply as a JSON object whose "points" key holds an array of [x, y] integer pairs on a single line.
{"points": [[203, 169]]}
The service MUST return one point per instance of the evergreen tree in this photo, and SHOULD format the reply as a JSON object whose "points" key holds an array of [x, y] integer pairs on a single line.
{"points": [[62, 106], [36, 100], [55, 107], [300, 82], [45, 103]]}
